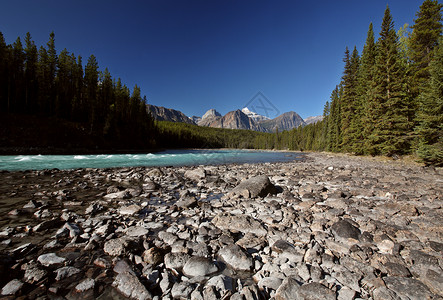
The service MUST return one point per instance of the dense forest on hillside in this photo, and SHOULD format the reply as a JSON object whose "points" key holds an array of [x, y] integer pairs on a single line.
{"points": [[389, 101]]}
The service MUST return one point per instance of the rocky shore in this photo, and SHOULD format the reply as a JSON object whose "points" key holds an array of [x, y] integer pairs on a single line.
{"points": [[325, 227]]}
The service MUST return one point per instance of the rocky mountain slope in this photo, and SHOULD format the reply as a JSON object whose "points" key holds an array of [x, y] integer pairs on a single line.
{"points": [[312, 120], [286, 121], [253, 115], [167, 114], [234, 120]]}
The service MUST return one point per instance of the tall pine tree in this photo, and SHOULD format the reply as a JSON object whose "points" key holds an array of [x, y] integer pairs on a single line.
{"points": [[390, 106], [426, 30], [430, 115], [349, 101]]}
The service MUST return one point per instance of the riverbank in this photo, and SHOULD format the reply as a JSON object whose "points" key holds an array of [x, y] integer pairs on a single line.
{"points": [[325, 227]]}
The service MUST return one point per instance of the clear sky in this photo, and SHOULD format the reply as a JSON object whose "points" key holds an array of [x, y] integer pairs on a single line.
{"points": [[200, 54]]}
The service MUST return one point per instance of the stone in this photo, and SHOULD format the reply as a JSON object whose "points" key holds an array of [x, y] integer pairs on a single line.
{"points": [[129, 285], [187, 202], [129, 210], [136, 231], [287, 250], [182, 290], [386, 246], [12, 287], [196, 174], [153, 256], [115, 247], [222, 283], [236, 258], [344, 229], [49, 224], [65, 272], [314, 291], [199, 266], [408, 288], [118, 195], [33, 273], [272, 283], [288, 290], [50, 259], [176, 260], [241, 223], [258, 186], [85, 285]]}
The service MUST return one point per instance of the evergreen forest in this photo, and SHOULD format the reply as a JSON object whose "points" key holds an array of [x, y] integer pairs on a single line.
{"points": [[389, 101]]}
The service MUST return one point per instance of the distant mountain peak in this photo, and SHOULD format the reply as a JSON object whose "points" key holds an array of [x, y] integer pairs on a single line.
{"points": [[253, 115], [167, 114], [211, 113], [310, 120]]}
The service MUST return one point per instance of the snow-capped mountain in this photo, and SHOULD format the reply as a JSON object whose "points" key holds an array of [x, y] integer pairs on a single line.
{"points": [[253, 115]]}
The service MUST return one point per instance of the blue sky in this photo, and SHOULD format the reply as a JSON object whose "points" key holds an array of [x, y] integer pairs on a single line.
{"points": [[196, 55]]}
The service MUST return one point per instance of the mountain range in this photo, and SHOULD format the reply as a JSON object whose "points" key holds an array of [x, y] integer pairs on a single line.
{"points": [[237, 119]]}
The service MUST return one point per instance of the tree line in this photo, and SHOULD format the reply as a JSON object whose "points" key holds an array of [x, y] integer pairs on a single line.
{"points": [[38, 81], [390, 98]]}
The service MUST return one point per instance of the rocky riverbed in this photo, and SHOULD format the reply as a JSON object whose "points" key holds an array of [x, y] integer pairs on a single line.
{"points": [[325, 227]]}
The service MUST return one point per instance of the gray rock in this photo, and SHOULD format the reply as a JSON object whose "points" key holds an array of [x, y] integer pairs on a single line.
{"points": [[129, 210], [287, 250], [187, 202], [242, 223], [288, 290], [33, 273], [85, 285], [272, 283], [196, 174], [176, 260], [408, 288], [118, 195], [153, 256], [115, 247], [182, 290], [136, 231], [129, 285], [344, 229], [222, 283], [258, 186], [50, 259], [199, 266], [236, 258], [49, 224], [65, 272], [12, 287]]}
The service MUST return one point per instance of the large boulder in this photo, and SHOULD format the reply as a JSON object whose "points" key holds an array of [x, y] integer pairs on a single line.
{"points": [[258, 186], [241, 223]]}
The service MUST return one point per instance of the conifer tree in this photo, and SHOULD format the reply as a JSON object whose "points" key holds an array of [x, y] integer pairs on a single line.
{"points": [[4, 54], [426, 30], [430, 115], [365, 89], [390, 107], [349, 100], [17, 69], [91, 82], [31, 84]]}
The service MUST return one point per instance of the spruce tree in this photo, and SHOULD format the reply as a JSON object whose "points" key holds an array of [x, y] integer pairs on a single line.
{"points": [[4, 54], [430, 115], [391, 119], [365, 91], [350, 105], [426, 30], [91, 84], [31, 84]]}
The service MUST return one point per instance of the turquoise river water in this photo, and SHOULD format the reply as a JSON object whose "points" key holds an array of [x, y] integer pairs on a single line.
{"points": [[164, 158]]}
